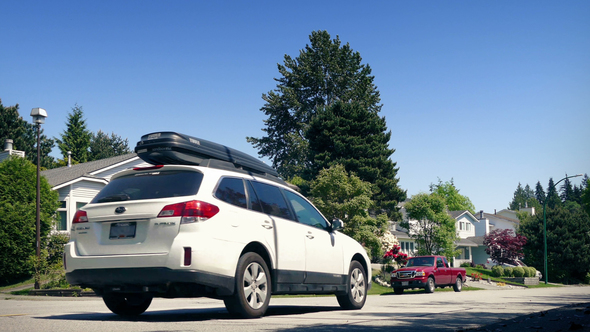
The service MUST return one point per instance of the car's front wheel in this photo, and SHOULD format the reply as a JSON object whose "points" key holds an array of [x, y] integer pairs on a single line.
{"points": [[127, 304], [357, 288], [430, 285], [398, 290], [253, 291]]}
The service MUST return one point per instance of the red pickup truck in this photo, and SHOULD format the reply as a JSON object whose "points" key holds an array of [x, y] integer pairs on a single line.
{"points": [[427, 272]]}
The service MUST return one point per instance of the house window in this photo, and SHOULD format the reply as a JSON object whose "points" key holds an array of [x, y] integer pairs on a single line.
{"points": [[468, 226], [62, 222], [79, 205], [461, 226]]}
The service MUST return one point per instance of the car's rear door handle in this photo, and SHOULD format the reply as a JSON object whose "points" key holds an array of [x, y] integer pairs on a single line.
{"points": [[267, 224], [309, 235]]}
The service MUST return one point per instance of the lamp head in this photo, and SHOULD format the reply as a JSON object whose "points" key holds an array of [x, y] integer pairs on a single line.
{"points": [[39, 115]]}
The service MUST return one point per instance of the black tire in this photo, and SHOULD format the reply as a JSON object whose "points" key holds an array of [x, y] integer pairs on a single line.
{"points": [[127, 304], [458, 286], [398, 291], [253, 287], [356, 294], [430, 285]]}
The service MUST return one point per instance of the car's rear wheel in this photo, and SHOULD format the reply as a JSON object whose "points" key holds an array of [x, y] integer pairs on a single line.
{"points": [[127, 304], [458, 284], [357, 288], [253, 287], [398, 290], [430, 285]]}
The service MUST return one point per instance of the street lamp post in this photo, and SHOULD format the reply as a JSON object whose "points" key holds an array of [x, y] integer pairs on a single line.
{"points": [[545, 226], [39, 116]]}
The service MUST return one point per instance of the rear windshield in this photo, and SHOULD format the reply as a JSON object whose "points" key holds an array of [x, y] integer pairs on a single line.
{"points": [[150, 185]]}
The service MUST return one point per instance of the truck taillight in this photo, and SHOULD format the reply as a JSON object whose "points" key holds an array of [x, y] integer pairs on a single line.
{"points": [[79, 217], [190, 212]]}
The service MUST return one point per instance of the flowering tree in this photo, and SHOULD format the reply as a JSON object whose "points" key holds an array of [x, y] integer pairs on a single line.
{"points": [[504, 246]]}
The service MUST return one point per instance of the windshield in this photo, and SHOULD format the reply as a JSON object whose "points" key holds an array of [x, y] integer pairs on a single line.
{"points": [[421, 261], [148, 185]]}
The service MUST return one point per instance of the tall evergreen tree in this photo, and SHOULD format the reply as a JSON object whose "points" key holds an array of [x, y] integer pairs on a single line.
{"points": [[568, 242], [324, 72], [24, 136], [104, 146], [76, 138], [567, 192], [553, 199], [351, 135], [523, 198], [539, 193]]}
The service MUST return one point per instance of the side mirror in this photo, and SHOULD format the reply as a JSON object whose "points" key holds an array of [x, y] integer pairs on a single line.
{"points": [[337, 224]]}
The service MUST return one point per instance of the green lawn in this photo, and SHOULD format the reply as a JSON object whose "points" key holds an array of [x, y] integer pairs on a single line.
{"points": [[488, 274]]}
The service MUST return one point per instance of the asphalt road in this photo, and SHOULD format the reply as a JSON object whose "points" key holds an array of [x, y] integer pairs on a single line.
{"points": [[442, 311]]}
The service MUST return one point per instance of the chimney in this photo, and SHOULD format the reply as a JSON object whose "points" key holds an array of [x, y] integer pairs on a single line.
{"points": [[8, 144], [480, 214], [494, 211], [69, 158]]}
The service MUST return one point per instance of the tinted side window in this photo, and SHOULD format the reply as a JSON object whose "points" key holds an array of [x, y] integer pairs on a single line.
{"points": [[272, 200], [254, 201], [305, 212], [232, 191], [148, 185]]}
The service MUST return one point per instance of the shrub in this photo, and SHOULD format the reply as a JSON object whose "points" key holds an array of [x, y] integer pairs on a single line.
{"points": [[497, 271], [508, 272], [465, 264], [17, 218], [530, 272], [518, 272], [587, 278]]}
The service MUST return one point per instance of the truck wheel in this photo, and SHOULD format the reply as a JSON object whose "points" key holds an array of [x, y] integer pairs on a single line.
{"points": [[253, 291], [430, 285], [127, 304], [357, 288], [398, 291], [458, 284]]}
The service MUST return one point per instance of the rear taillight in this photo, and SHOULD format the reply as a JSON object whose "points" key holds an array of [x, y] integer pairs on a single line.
{"points": [[147, 168], [190, 212], [79, 217]]}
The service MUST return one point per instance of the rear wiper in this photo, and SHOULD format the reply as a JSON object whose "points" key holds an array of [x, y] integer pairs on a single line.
{"points": [[114, 198]]}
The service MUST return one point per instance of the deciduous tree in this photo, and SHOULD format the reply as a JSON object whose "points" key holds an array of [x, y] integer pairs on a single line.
{"points": [[24, 136], [338, 194], [504, 246], [454, 200], [430, 225]]}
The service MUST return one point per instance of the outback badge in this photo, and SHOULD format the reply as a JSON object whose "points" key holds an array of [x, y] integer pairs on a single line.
{"points": [[120, 209]]}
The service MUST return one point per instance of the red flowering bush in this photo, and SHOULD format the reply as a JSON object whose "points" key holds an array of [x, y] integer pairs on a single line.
{"points": [[395, 255], [476, 276]]}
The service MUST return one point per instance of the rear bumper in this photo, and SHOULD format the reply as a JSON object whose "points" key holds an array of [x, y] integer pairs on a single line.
{"points": [[159, 281]]}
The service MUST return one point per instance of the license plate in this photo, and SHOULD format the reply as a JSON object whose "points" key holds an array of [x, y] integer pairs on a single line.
{"points": [[122, 230], [405, 283]]}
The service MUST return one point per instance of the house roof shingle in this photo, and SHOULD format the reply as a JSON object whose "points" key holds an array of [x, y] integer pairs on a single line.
{"points": [[61, 175]]}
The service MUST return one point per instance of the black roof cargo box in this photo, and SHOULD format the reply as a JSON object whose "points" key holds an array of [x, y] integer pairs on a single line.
{"points": [[166, 147]]}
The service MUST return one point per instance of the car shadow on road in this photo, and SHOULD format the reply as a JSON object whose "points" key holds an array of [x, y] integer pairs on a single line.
{"points": [[192, 315]]}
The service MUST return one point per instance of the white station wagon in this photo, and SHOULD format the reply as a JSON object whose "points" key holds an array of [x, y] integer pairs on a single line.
{"points": [[226, 229]]}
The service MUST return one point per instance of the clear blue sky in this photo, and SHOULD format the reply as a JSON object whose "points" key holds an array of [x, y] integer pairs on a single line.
{"points": [[489, 93]]}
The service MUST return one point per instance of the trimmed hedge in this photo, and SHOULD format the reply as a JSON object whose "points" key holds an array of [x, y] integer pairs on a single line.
{"points": [[518, 272], [497, 271]]}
